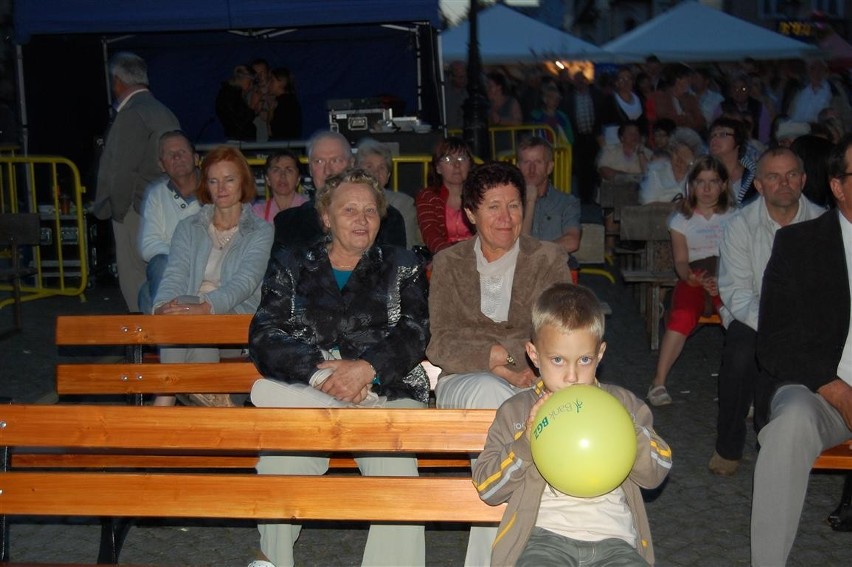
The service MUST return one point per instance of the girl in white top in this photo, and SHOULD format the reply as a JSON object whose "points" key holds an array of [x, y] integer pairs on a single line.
{"points": [[696, 231]]}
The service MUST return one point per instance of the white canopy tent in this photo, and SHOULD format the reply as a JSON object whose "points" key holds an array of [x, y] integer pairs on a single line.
{"points": [[694, 32], [507, 36]]}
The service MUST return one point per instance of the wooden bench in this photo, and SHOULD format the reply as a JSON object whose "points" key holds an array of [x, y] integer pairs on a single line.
{"points": [[138, 377], [64, 489]]}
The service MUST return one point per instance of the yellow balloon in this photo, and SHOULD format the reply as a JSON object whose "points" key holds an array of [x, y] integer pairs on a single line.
{"points": [[583, 441]]}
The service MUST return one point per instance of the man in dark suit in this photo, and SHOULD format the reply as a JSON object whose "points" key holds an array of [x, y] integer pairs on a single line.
{"points": [[129, 163], [805, 348]]}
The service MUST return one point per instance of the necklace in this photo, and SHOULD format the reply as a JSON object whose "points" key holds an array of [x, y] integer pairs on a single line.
{"points": [[338, 266], [221, 238]]}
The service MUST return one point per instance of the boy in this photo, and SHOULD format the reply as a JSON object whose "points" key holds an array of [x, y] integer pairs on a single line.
{"points": [[542, 526]]}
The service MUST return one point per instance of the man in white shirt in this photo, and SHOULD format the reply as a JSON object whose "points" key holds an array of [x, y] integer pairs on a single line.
{"points": [[804, 347], [167, 201], [745, 249]]}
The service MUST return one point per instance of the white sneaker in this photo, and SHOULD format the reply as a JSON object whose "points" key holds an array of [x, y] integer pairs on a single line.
{"points": [[260, 563]]}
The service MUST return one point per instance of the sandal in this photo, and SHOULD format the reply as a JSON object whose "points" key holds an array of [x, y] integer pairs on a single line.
{"points": [[658, 396]]}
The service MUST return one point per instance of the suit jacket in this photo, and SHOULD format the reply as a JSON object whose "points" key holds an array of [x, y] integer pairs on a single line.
{"points": [[130, 159], [380, 316], [461, 335], [299, 227], [804, 304]]}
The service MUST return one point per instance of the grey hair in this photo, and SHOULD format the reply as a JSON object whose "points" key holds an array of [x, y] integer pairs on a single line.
{"points": [[329, 135], [370, 147], [129, 68], [356, 176]]}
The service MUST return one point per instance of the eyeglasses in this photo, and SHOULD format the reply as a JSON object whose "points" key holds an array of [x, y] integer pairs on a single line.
{"points": [[844, 175], [720, 134], [459, 159]]}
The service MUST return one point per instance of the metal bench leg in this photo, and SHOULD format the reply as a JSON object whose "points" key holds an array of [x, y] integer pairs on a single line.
{"points": [[113, 533], [841, 519]]}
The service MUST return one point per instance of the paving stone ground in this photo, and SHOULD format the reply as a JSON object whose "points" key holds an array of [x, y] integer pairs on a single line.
{"points": [[697, 519]]}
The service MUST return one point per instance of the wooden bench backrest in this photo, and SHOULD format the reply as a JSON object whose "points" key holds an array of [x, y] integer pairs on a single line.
{"points": [[152, 330], [185, 431], [291, 429]]}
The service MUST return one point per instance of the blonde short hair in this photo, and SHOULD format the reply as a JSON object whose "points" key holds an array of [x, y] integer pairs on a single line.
{"points": [[568, 307]]}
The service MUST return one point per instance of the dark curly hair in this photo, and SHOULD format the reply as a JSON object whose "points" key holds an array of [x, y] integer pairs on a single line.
{"points": [[488, 176]]}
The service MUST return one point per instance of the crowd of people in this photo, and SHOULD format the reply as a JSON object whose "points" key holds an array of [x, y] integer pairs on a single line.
{"points": [[345, 311]]}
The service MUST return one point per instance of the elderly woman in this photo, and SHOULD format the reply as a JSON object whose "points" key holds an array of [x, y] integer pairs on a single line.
{"points": [[217, 257], [282, 179], [439, 206], [480, 304], [343, 322], [377, 159], [665, 177]]}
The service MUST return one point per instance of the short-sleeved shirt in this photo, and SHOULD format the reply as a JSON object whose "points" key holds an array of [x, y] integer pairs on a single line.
{"points": [[613, 156], [703, 235], [555, 213]]}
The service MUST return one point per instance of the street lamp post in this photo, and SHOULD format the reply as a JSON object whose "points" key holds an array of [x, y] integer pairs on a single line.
{"points": [[475, 107]]}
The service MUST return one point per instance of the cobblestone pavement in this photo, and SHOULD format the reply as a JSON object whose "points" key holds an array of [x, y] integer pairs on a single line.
{"points": [[697, 519]]}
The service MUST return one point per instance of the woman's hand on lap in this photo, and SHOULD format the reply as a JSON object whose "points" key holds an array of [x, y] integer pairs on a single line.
{"points": [[350, 380]]}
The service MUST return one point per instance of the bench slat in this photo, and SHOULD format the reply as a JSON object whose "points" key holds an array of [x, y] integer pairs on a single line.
{"points": [[237, 429], [837, 458], [151, 330], [413, 499], [112, 460], [155, 378]]}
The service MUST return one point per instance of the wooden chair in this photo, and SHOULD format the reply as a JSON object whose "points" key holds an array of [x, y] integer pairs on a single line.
{"points": [[18, 229], [613, 196], [649, 224]]}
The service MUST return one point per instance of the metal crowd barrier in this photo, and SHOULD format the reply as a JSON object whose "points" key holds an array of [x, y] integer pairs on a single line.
{"points": [[504, 142], [49, 186]]}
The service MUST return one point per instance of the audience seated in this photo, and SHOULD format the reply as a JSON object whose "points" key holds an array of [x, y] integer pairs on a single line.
{"points": [[549, 214], [665, 179], [696, 230], [377, 158], [167, 201], [282, 182], [439, 206]]}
